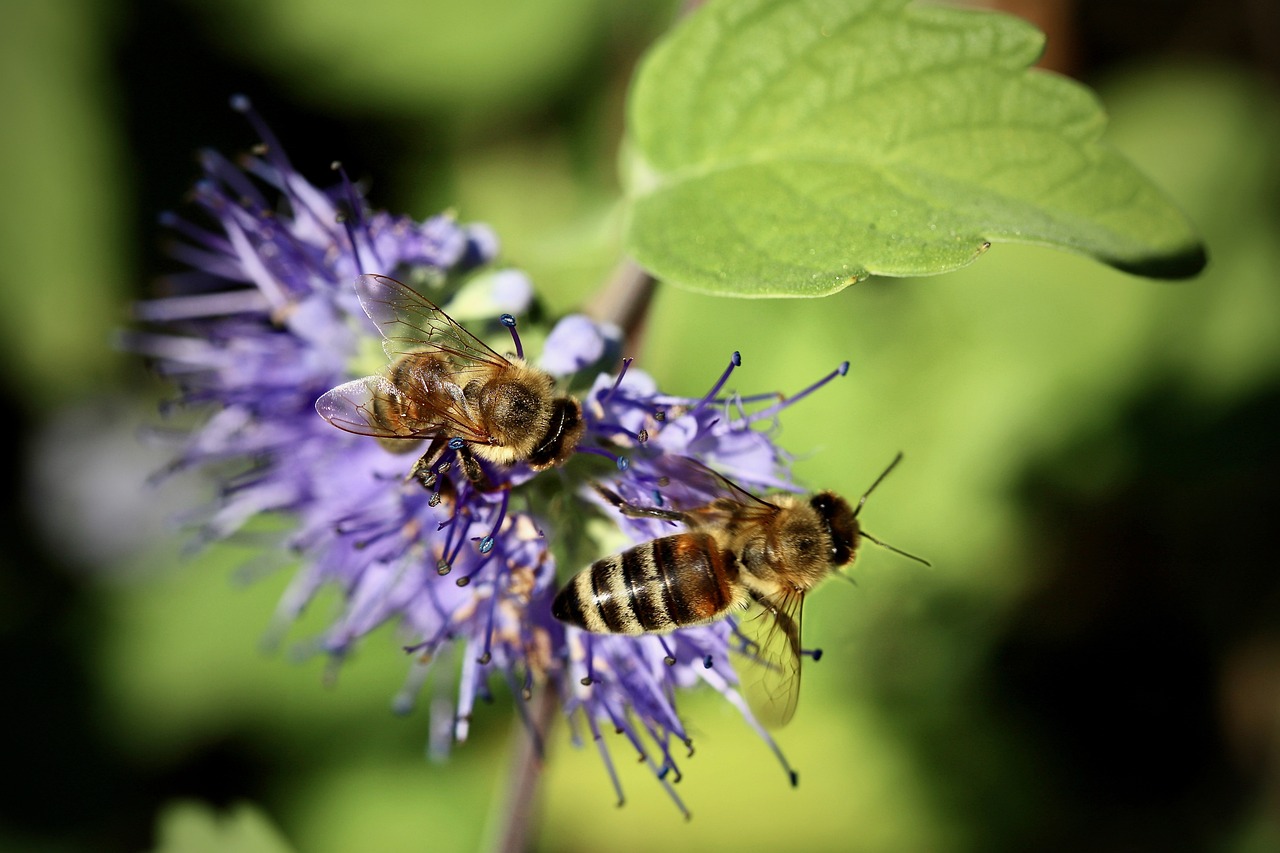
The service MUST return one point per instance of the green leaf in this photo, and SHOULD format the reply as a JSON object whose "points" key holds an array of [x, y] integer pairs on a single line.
{"points": [[188, 826], [793, 147]]}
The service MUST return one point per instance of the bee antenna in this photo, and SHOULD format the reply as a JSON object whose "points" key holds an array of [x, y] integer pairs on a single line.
{"points": [[888, 547], [862, 500]]}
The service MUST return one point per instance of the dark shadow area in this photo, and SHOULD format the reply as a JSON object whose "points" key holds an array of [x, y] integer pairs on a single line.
{"points": [[72, 788], [1146, 591], [177, 86], [1127, 700]]}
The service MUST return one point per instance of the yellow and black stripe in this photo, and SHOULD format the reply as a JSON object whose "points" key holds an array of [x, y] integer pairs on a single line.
{"points": [[669, 583]]}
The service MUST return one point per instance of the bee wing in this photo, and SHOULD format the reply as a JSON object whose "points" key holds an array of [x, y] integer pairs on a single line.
{"points": [[718, 497], [361, 406], [769, 662], [409, 322]]}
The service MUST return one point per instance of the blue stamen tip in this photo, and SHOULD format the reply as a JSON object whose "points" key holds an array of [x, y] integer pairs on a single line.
{"points": [[456, 443], [844, 368], [240, 103], [508, 321], [486, 545], [623, 463], [737, 359], [706, 662]]}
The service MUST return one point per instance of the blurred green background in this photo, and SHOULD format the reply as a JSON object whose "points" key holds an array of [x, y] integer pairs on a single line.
{"points": [[1092, 663]]}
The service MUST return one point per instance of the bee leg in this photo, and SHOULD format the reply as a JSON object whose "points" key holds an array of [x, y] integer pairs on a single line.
{"points": [[633, 511], [475, 472], [789, 627], [421, 470]]}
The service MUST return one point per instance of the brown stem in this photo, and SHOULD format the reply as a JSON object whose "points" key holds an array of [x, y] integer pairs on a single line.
{"points": [[624, 301], [511, 829]]}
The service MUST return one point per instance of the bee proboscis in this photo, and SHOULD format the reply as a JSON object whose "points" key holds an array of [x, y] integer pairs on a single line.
{"points": [[738, 553], [446, 386]]}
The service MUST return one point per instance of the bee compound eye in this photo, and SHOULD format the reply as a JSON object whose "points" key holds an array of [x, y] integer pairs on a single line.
{"points": [[822, 504], [841, 552]]}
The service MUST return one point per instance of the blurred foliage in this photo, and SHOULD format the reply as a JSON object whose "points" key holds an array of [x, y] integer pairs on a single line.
{"points": [[1094, 661], [476, 61], [63, 227], [187, 827]]}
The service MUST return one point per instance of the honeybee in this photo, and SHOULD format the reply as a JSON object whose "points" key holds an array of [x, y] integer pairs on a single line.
{"points": [[445, 385], [739, 551]]}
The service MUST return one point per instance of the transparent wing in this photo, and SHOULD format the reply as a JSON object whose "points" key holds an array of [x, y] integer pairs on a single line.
{"points": [[373, 405], [409, 322], [708, 495], [419, 395], [768, 662]]}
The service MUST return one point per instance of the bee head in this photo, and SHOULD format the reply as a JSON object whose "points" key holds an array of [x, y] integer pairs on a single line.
{"points": [[841, 525], [561, 435]]}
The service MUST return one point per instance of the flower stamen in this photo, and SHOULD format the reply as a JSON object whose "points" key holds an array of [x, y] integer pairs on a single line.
{"points": [[626, 362], [241, 104], [795, 398], [670, 659], [621, 462], [605, 757], [510, 322], [355, 219], [734, 361], [588, 647]]}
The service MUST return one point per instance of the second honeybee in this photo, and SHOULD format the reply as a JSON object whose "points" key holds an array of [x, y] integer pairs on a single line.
{"points": [[738, 552]]}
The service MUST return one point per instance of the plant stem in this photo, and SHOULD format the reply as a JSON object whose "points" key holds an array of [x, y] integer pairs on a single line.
{"points": [[511, 829], [624, 301]]}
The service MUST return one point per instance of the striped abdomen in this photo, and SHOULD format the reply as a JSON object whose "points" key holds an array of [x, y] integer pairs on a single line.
{"points": [[669, 583]]}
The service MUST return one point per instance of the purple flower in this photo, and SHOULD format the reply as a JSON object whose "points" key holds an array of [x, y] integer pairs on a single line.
{"points": [[267, 320]]}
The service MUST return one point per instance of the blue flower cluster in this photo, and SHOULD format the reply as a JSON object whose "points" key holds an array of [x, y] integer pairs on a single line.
{"points": [[266, 321]]}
